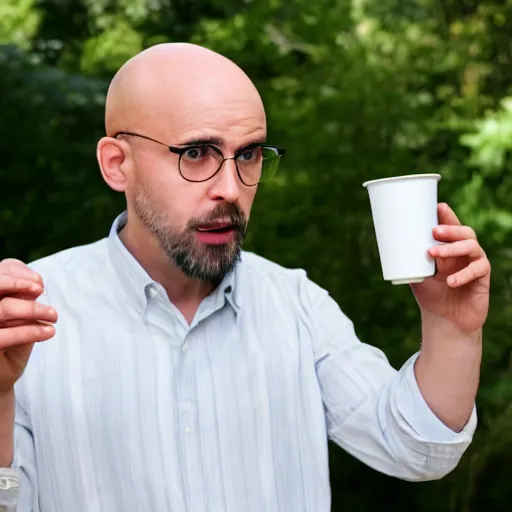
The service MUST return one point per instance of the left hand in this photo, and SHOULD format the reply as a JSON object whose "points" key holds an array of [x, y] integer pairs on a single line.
{"points": [[459, 292]]}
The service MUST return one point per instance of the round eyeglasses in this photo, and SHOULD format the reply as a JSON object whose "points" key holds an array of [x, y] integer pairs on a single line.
{"points": [[255, 163]]}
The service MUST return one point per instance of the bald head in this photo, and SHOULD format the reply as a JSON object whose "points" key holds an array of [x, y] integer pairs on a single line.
{"points": [[157, 87], [184, 95]]}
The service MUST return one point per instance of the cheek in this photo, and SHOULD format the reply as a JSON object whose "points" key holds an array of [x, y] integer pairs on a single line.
{"points": [[156, 170], [149, 198], [247, 199], [158, 180], [177, 201]]}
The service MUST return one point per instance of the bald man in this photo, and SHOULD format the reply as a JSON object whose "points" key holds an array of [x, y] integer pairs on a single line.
{"points": [[185, 374]]}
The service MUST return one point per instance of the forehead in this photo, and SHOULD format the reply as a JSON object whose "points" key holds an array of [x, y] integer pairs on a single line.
{"points": [[230, 114]]}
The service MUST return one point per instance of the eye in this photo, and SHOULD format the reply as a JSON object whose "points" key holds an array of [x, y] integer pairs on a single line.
{"points": [[195, 153], [249, 155]]}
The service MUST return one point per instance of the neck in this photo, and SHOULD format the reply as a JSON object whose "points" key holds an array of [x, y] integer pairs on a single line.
{"points": [[185, 293]]}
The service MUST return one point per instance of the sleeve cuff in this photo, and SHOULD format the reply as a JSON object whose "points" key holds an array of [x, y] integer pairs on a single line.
{"points": [[9, 489], [9, 479], [421, 418]]}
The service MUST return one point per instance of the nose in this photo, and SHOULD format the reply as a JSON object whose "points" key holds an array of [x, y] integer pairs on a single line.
{"points": [[226, 184]]}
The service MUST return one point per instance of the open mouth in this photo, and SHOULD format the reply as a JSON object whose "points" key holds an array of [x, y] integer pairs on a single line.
{"points": [[216, 233], [216, 228]]}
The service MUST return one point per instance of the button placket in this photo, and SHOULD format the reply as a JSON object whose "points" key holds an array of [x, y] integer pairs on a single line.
{"points": [[190, 453]]}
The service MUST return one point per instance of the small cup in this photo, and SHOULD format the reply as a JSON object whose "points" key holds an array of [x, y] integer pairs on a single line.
{"points": [[404, 210]]}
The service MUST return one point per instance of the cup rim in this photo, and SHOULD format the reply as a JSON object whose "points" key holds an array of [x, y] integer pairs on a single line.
{"points": [[406, 177]]}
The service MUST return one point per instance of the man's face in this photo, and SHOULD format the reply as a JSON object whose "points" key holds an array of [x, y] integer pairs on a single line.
{"points": [[201, 226], [204, 248]]}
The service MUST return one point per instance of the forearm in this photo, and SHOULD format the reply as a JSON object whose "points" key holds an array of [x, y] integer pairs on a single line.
{"points": [[6, 428], [448, 371]]}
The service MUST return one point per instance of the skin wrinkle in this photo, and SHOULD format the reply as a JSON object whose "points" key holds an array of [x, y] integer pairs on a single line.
{"points": [[173, 93]]}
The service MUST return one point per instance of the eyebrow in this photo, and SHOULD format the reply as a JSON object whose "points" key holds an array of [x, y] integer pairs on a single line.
{"points": [[206, 140], [217, 142]]}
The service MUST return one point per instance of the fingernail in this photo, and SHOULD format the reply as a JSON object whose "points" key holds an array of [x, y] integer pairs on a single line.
{"points": [[47, 329], [440, 230], [452, 281]]}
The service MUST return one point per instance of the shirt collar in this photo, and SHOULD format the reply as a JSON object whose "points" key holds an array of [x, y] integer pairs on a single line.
{"points": [[137, 282]]}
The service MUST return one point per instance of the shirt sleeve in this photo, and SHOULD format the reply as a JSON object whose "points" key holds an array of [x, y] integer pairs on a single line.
{"points": [[18, 484], [20, 493], [24, 464], [375, 413]]}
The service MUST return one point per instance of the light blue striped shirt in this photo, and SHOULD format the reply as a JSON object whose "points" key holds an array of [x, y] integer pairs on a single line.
{"points": [[129, 408]]}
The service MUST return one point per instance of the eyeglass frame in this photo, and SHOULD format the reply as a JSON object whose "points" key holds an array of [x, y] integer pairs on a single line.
{"points": [[181, 150]]}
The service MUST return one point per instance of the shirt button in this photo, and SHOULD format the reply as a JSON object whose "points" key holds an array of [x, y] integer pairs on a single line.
{"points": [[153, 292], [228, 289], [184, 347], [188, 430]]}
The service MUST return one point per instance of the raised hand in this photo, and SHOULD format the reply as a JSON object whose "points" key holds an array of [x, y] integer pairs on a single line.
{"points": [[23, 321], [459, 292]]}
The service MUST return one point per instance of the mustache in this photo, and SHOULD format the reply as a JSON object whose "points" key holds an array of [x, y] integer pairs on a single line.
{"points": [[230, 212]]}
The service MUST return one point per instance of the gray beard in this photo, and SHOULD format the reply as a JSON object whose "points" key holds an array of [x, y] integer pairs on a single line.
{"points": [[203, 262]]}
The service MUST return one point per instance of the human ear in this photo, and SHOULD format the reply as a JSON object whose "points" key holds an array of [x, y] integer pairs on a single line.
{"points": [[111, 154]]}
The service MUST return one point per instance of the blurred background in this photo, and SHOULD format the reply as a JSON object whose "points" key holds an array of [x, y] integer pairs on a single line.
{"points": [[355, 90]]}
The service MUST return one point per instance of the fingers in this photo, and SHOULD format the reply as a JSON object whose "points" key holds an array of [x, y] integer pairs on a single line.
{"points": [[446, 215], [466, 246], [17, 268], [469, 248], [25, 334], [30, 310], [11, 285], [19, 280], [449, 233], [475, 270], [23, 321]]}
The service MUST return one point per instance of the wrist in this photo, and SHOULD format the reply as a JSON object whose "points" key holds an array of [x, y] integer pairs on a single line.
{"points": [[7, 413], [6, 396], [434, 327]]}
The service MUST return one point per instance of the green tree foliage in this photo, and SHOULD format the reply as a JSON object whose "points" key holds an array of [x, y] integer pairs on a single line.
{"points": [[354, 90]]}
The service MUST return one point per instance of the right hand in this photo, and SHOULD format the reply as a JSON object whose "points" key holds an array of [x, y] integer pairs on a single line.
{"points": [[20, 319]]}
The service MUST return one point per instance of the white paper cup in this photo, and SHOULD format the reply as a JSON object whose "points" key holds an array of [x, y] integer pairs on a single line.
{"points": [[404, 210]]}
